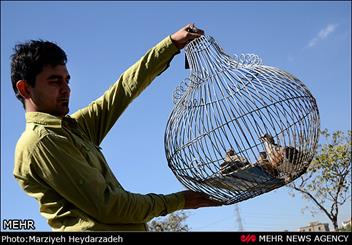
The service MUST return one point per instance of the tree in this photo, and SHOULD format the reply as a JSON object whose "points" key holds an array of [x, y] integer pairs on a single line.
{"points": [[172, 222], [347, 228], [327, 182]]}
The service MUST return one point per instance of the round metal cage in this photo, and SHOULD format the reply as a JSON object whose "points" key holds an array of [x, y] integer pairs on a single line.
{"points": [[239, 128]]}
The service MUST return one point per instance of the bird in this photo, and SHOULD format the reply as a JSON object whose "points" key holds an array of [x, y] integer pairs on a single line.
{"points": [[251, 176], [232, 162], [275, 153], [281, 158], [266, 165]]}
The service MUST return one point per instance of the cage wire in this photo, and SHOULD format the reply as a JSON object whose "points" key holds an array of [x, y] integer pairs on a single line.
{"points": [[238, 128]]}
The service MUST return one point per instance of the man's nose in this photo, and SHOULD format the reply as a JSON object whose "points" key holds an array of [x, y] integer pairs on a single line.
{"points": [[65, 89]]}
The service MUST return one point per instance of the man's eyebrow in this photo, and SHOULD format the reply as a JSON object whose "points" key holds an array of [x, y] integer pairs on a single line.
{"points": [[58, 77]]}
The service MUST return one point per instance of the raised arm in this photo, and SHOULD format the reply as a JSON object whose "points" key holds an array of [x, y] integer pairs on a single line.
{"points": [[98, 118]]}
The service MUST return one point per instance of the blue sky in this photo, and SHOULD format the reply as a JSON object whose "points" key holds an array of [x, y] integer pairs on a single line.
{"points": [[311, 40]]}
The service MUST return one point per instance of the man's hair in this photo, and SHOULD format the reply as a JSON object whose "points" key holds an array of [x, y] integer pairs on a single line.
{"points": [[30, 57]]}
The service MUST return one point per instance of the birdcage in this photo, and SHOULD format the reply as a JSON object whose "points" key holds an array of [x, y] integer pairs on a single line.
{"points": [[239, 128]]}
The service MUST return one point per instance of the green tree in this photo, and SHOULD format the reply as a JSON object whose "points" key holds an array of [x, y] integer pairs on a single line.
{"points": [[346, 228], [171, 222], [327, 182]]}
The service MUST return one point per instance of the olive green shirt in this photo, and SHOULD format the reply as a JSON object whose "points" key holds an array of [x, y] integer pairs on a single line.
{"points": [[59, 162]]}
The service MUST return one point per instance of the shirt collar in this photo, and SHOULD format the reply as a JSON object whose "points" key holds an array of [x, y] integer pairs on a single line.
{"points": [[47, 119]]}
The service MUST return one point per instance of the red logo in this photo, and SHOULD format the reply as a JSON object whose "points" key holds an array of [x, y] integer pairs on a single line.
{"points": [[248, 238]]}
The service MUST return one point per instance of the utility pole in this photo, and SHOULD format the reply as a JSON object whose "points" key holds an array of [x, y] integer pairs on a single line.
{"points": [[238, 217]]}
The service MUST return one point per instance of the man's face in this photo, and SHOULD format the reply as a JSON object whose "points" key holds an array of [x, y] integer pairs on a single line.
{"points": [[51, 91]]}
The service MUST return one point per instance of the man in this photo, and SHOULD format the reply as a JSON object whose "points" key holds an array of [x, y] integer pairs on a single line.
{"points": [[57, 158]]}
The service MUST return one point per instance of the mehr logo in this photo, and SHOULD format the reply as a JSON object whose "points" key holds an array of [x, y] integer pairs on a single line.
{"points": [[248, 238], [18, 224]]}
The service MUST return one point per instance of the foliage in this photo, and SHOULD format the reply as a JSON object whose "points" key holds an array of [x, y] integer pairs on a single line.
{"points": [[346, 228], [172, 222], [327, 182]]}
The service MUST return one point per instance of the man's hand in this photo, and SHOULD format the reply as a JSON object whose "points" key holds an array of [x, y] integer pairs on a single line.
{"points": [[195, 200], [185, 35]]}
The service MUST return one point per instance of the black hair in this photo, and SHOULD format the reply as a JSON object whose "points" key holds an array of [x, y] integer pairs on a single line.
{"points": [[30, 57]]}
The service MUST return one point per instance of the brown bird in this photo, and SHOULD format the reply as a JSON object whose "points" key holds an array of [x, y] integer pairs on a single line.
{"points": [[232, 162], [281, 158], [275, 153], [266, 165]]}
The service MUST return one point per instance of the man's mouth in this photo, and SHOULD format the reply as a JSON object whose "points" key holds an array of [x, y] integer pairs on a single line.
{"points": [[63, 101]]}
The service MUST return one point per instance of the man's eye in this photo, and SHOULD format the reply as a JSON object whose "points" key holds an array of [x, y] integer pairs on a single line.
{"points": [[54, 81]]}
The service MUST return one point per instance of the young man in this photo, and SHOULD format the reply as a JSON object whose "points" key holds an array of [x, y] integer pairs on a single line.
{"points": [[57, 158]]}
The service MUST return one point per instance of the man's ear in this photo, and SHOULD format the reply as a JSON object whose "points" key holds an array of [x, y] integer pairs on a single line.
{"points": [[22, 88]]}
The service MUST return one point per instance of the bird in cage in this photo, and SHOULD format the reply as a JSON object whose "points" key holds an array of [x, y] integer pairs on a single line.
{"points": [[238, 174], [275, 152], [232, 162], [266, 165], [278, 158]]}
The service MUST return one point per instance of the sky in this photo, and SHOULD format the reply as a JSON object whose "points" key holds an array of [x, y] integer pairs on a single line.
{"points": [[311, 40]]}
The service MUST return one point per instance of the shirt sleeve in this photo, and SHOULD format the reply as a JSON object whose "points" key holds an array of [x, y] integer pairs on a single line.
{"points": [[98, 118], [65, 170]]}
